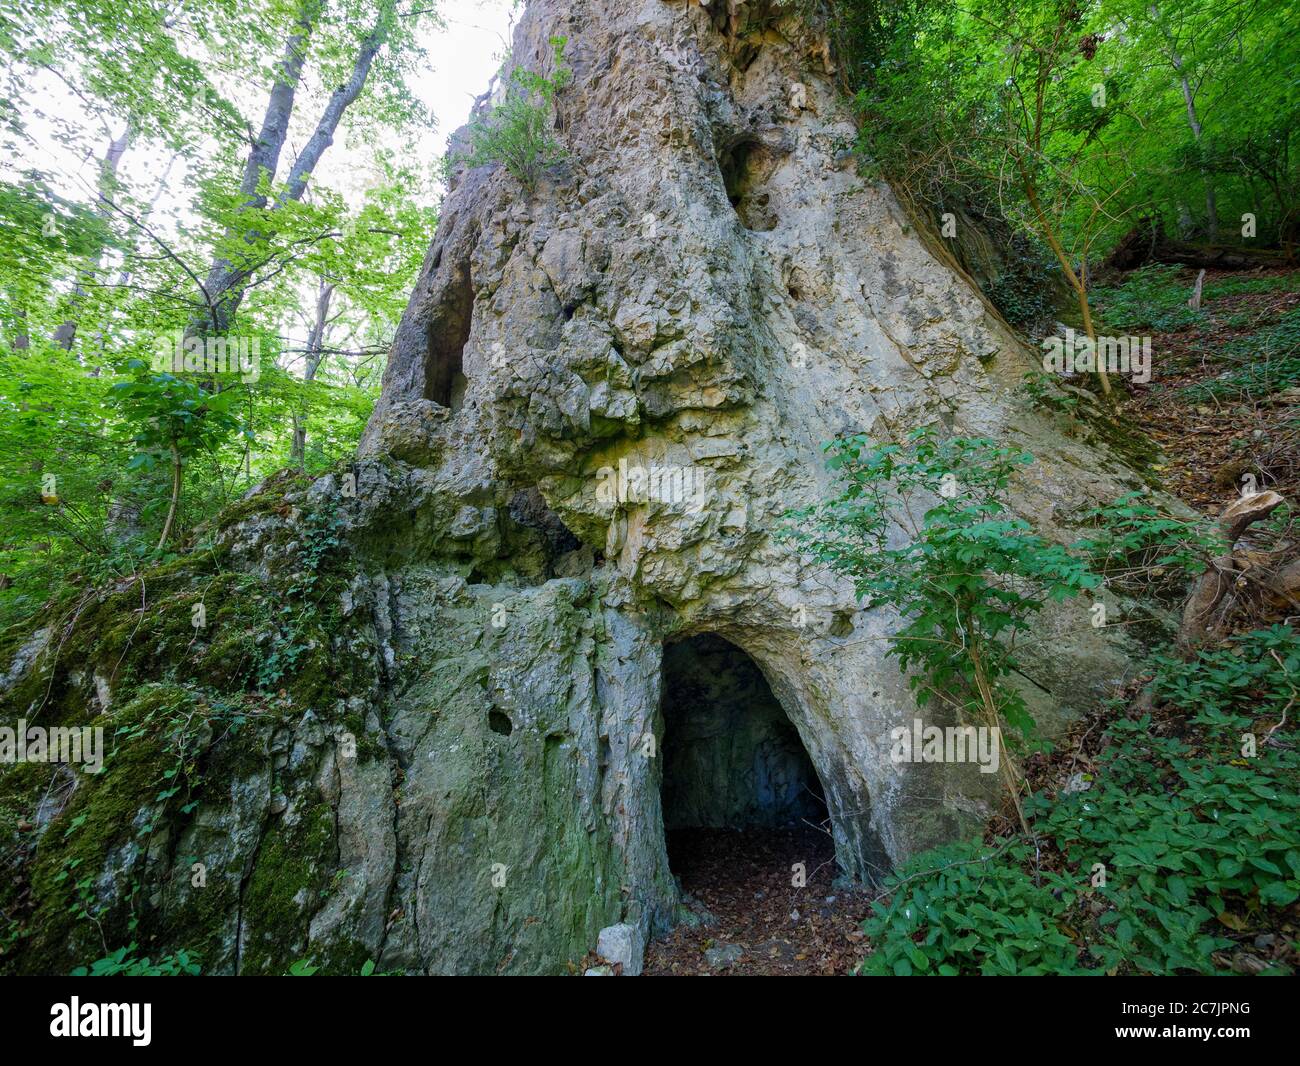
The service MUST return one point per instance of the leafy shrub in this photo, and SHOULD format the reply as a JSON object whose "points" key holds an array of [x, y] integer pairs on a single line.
{"points": [[1197, 841], [124, 963], [972, 910], [967, 577], [1136, 544], [517, 132]]}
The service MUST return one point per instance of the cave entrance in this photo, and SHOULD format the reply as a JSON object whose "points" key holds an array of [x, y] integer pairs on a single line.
{"points": [[746, 165], [448, 333], [746, 825], [745, 817], [732, 758]]}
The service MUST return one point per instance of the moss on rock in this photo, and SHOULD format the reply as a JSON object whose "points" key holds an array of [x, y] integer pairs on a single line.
{"points": [[188, 667]]}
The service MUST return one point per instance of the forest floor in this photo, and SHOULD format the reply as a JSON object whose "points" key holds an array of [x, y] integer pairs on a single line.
{"points": [[1223, 403], [750, 920]]}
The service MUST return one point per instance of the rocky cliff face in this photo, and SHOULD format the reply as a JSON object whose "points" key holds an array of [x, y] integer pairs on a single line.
{"points": [[603, 396]]}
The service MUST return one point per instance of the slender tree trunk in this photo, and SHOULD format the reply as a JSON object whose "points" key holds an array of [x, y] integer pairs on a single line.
{"points": [[1076, 282], [340, 100], [66, 333], [176, 497], [224, 277], [313, 357], [1011, 775], [226, 281], [1194, 122]]}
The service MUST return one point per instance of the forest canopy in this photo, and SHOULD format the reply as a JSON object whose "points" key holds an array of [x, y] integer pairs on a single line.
{"points": [[167, 201]]}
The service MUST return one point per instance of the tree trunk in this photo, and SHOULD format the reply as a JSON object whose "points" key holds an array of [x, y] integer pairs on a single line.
{"points": [[1211, 206], [224, 277], [1077, 282], [340, 100], [176, 496], [1194, 124], [312, 361], [66, 333], [226, 280]]}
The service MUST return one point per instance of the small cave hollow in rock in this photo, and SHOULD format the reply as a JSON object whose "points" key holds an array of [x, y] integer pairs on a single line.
{"points": [[449, 329], [565, 554], [745, 166], [732, 759]]}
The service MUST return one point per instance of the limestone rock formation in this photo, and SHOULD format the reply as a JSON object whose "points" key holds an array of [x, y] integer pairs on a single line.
{"points": [[603, 396]]}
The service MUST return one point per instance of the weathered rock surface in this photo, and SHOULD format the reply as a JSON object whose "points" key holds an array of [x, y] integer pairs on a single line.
{"points": [[602, 398], [661, 338], [623, 945]]}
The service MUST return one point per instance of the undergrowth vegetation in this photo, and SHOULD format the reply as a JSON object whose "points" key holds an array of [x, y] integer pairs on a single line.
{"points": [[1175, 847], [1179, 854], [517, 132], [205, 663], [967, 578]]}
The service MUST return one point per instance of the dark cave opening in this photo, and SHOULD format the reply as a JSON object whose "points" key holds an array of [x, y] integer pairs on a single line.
{"points": [[449, 329], [732, 759], [746, 827], [564, 553], [745, 165]]}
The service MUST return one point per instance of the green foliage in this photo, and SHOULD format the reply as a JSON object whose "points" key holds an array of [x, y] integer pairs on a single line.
{"points": [[1260, 363], [298, 613], [124, 963], [1244, 284], [305, 968], [1074, 118], [1043, 391], [970, 909], [1253, 382], [516, 133], [1021, 291], [1153, 298], [1258, 359], [1200, 843], [92, 272], [967, 574], [1137, 544], [1220, 683], [170, 414], [179, 730]]}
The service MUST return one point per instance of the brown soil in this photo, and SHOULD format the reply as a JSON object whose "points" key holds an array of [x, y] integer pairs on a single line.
{"points": [[742, 879]]}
